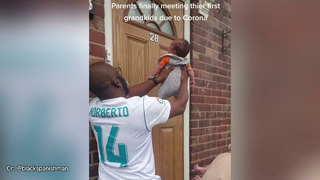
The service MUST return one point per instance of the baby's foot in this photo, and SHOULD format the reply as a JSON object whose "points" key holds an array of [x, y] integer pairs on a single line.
{"points": [[201, 170]]}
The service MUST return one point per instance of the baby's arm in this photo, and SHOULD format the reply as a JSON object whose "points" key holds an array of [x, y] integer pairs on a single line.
{"points": [[156, 70], [191, 74], [164, 61]]}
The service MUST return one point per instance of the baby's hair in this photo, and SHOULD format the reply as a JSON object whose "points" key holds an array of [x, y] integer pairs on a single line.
{"points": [[183, 48]]}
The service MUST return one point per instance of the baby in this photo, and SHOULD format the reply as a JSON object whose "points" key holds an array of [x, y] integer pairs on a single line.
{"points": [[177, 52]]}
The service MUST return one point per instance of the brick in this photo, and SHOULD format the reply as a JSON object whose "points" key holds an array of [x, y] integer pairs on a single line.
{"points": [[91, 133], [93, 145], [204, 107], [225, 108], [205, 138], [215, 122], [200, 83], [197, 132], [226, 122], [216, 107], [197, 99], [225, 80], [195, 107], [96, 50], [221, 143], [197, 148], [194, 90], [225, 135], [210, 145], [212, 85], [198, 48], [222, 129], [97, 37], [100, 1], [95, 158], [222, 101], [205, 92], [194, 124], [223, 57], [198, 30], [222, 72], [204, 154], [194, 157], [97, 24], [228, 128], [221, 114], [197, 115], [194, 140], [225, 149], [229, 87], [226, 66], [211, 69], [229, 73], [200, 40], [98, 9], [222, 86], [204, 123], [210, 115], [211, 100], [211, 130], [93, 170], [198, 65], [197, 73], [90, 158]]}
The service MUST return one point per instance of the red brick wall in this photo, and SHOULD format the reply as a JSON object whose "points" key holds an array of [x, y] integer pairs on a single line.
{"points": [[210, 124], [97, 53]]}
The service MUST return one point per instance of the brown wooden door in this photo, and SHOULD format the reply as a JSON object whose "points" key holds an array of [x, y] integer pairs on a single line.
{"points": [[136, 54]]}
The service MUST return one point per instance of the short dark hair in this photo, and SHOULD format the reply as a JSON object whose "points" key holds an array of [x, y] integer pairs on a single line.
{"points": [[182, 48]]}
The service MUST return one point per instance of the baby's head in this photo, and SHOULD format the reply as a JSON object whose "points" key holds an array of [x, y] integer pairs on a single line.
{"points": [[179, 47]]}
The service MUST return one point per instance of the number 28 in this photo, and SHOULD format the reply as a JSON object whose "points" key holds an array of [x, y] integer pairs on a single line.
{"points": [[154, 37]]}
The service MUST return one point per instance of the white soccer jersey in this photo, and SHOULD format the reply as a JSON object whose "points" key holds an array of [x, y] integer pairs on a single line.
{"points": [[122, 128]]}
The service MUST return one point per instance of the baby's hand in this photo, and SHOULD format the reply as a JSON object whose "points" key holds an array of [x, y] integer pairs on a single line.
{"points": [[192, 82]]}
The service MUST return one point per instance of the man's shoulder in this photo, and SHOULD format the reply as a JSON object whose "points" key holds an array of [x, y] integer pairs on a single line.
{"points": [[93, 101]]}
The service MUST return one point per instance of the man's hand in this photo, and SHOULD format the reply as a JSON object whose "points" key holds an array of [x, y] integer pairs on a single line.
{"points": [[184, 75], [163, 74]]}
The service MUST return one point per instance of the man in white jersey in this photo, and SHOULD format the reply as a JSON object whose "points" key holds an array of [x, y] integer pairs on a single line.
{"points": [[122, 119]]}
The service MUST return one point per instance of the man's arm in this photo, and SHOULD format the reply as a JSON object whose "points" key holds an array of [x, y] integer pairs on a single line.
{"points": [[143, 88], [179, 104]]}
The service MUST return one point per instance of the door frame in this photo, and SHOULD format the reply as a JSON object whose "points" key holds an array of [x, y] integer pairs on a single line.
{"points": [[186, 115]]}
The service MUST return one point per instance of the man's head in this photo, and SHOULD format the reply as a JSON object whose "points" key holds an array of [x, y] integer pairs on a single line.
{"points": [[179, 47], [106, 82]]}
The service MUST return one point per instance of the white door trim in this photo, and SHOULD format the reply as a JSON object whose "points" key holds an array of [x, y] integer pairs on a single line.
{"points": [[108, 31], [186, 119]]}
